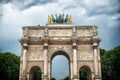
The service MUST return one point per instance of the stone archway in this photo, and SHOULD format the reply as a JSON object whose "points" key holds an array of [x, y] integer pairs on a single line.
{"points": [[85, 73], [40, 44], [63, 53], [35, 73]]}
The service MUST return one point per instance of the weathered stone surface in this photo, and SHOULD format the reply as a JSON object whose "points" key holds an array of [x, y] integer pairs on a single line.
{"points": [[60, 39]]}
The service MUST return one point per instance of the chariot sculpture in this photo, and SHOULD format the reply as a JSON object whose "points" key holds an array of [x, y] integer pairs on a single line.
{"points": [[61, 18]]}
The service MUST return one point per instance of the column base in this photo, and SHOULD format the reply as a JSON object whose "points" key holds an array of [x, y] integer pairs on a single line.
{"points": [[75, 77], [97, 77], [23, 78], [45, 77]]}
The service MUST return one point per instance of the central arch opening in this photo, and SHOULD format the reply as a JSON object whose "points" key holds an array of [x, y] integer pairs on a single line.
{"points": [[60, 67]]}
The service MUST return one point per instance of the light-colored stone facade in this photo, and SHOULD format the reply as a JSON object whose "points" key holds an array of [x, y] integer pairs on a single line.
{"points": [[80, 44]]}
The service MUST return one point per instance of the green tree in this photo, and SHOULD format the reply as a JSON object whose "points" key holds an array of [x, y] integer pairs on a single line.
{"points": [[83, 74], [37, 74], [53, 79], [66, 78], [115, 63], [110, 61], [9, 66], [104, 62]]}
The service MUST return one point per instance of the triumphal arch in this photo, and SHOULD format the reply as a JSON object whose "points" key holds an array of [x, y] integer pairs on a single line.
{"points": [[40, 44]]}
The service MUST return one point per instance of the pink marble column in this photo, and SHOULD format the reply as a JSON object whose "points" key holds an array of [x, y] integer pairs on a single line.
{"points": [[71, 69], [75, 58], [45, 59], [25, 47], [96, 64]]}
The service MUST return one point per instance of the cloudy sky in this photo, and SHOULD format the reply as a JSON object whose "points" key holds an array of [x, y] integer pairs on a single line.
{"points": [[14, 14]]}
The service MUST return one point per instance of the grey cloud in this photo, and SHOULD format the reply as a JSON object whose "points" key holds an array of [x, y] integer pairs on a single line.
{"points": [[118, 18], [36, 2], [114, 32], [5, 1], [24, 4], [68, 7], [111, 8]]}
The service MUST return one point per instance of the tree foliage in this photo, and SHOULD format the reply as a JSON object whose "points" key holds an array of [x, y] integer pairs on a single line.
{"points": [[9, 66], [66, 78], [53, 79], [37, 74], [110, 61], [83, 74]]}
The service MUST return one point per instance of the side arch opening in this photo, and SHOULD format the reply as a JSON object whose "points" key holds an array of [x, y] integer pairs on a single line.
{"points": [[85, 73], [35, 73]]}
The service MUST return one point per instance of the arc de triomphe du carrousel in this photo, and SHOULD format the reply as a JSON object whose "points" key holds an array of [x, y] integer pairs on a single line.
{"points": [[79, 44]]}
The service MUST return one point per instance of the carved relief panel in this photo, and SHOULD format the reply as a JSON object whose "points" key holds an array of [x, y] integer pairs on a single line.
{"points": [[36, 33], [85, 56], [84, 32], [85, 52], [35, 53]]}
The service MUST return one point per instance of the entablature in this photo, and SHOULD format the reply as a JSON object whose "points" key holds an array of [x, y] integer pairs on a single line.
{"points": [[60, 40]]}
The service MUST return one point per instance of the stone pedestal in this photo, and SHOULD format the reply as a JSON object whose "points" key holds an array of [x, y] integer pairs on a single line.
{"points": [[75, 77], [45, 77], [97, 77], [23, 78]]}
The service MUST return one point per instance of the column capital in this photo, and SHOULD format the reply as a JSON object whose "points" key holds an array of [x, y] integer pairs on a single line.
{"points": [[45, 46], [74, 47], [95, 45], [25, 46]]}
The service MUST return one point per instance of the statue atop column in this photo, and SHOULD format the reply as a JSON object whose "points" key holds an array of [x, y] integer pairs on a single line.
{"points": [[61, 18]]}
